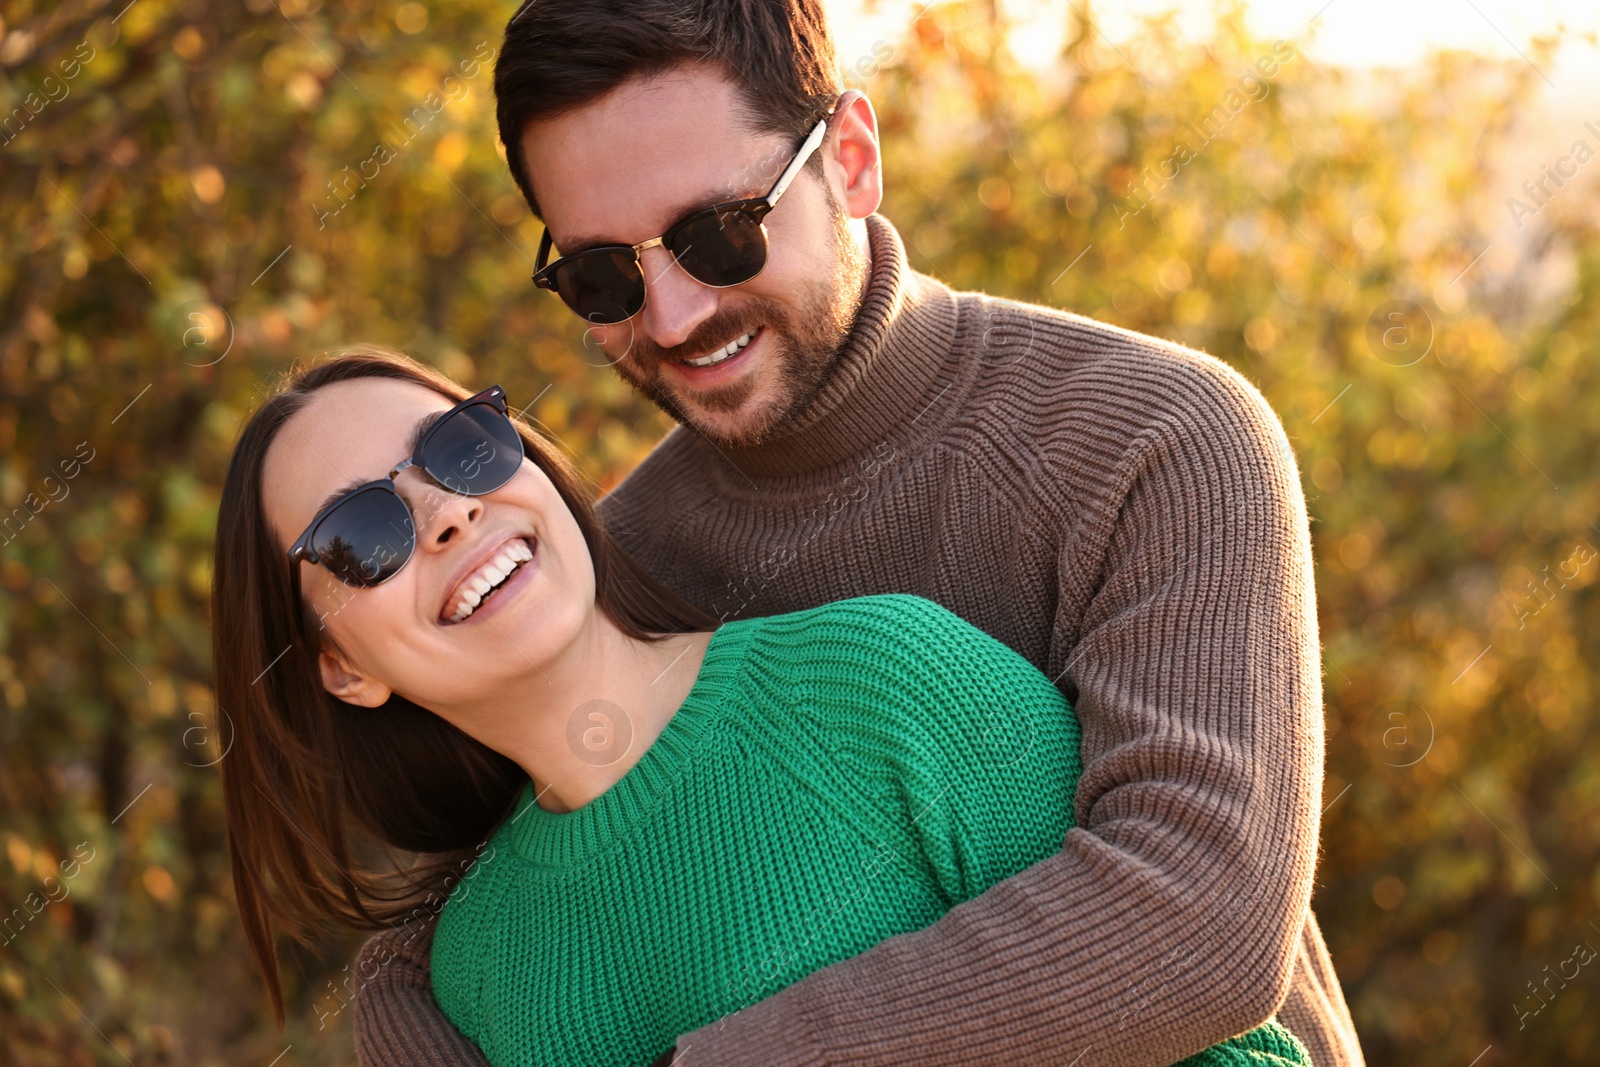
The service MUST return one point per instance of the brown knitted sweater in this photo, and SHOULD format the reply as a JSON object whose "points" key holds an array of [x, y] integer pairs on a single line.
{"points": [[1127, 514]]}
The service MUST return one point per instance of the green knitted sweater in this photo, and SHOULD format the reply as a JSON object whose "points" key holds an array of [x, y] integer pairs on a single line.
{"points": [[835, 777]]}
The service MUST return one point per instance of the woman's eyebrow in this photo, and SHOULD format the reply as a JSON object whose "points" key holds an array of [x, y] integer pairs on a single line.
{"points": [[417, 431]]}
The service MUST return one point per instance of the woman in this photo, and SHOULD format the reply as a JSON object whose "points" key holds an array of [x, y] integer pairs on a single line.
{"points": [[426, 640]]}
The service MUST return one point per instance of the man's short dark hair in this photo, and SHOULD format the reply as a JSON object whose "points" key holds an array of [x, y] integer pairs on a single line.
{"points": [[562, 54]]}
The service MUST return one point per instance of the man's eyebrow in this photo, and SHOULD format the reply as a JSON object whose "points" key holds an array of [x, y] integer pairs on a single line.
{"points": [[417, 431], [583, 244]]}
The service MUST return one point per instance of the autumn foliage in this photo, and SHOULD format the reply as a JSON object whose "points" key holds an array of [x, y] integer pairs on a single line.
{"points": [[196, 192]]}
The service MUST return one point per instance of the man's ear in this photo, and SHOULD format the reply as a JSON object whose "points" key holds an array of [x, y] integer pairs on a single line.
{"points": [[858, 179], [349, 684]]}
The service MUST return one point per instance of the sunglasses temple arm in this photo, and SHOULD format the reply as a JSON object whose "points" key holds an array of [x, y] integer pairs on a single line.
{"points": [[544, 251], [817, 133]]}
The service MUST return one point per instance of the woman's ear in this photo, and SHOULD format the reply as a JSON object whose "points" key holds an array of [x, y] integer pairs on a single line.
{"points": [[349, 684]]}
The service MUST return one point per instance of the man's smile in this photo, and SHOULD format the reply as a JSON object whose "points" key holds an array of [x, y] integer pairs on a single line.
{"points": [[731, 349], [721, 365]]}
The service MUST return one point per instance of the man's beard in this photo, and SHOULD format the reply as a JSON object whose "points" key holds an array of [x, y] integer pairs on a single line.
{"points": [[803, 348]]}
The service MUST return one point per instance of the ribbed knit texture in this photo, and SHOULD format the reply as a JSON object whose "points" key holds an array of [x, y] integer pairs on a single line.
{"points": [[836, 776], [1125, 513]]}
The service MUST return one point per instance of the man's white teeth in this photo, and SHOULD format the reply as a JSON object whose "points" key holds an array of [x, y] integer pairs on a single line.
{"points": [[722, 353], [489, 576]]}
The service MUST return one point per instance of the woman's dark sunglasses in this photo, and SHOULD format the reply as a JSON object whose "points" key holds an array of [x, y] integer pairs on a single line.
{"points": [[720, 246], [367, 535]]}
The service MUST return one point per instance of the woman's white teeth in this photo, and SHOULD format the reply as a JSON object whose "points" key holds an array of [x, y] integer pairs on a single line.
{"points": [[497, 570], [721, 354]]}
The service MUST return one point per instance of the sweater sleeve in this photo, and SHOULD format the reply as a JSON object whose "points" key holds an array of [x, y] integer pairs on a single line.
{"points": [[398, 1023], [1169, 919]]}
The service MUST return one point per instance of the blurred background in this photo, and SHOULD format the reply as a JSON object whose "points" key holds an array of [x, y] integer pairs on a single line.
{"points": [[1384, 215]]}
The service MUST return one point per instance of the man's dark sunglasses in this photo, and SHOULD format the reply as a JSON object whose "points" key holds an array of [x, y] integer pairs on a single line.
{"points": [[719, 246], [367, 535]]}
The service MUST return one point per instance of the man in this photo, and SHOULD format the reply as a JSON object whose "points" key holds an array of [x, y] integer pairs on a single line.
{"points": [[1124, 512]]}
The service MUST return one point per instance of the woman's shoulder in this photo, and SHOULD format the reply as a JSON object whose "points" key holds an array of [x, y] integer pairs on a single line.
{"points": [[899, 689], [882, 627], [891, 648], [893, 612]]}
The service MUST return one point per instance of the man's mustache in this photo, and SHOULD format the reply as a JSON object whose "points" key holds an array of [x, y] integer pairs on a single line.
{"points": [[712, 335]]}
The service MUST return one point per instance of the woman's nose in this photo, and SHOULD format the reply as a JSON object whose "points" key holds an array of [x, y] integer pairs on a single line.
{"points": [[438, 514]]}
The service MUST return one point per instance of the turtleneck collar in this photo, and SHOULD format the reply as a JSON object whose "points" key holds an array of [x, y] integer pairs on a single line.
{"points": [[898, 365]]}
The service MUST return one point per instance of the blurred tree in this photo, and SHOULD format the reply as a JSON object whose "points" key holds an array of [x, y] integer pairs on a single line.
{"points": [[196, 193]]}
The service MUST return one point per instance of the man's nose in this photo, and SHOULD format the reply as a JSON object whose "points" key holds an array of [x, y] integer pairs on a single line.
{"points": [[675, 304]]}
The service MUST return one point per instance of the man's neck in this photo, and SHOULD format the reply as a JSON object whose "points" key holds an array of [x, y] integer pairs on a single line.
{"points": [[895, 364]]}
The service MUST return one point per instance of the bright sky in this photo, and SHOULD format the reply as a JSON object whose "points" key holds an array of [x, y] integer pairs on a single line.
{"points": [[1352, 33], [1346, 32]]}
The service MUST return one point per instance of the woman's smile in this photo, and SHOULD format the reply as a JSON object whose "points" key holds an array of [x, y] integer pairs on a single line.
{"points": [[491, 580]]}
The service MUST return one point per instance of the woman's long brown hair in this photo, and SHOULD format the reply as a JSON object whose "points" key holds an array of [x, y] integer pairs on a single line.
{"points": [[308, 780]]}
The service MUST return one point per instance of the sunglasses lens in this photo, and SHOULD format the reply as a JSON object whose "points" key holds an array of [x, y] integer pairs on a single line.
{"points": [[722, 248], [366, 539], [474, 451], [602, 287]]}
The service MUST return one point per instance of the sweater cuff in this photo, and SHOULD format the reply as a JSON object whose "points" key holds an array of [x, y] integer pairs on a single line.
{"points": [[774, 1033]]}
